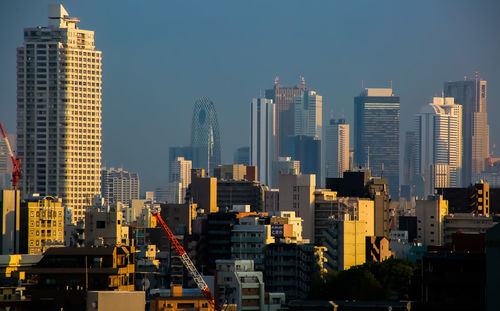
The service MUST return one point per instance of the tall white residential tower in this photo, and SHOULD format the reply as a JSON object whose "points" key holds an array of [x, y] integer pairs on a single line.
{"points": [[262, 135], [59, 111], [337, 148]]}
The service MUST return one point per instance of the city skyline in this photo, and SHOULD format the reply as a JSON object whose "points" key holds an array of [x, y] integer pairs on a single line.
{"points": [[337, 81]]}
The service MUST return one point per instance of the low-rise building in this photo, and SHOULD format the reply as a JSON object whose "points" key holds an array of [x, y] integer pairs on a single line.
{"points": [[180, 299], [465, 223], [105, 228], [377, 249], [430, 216]]}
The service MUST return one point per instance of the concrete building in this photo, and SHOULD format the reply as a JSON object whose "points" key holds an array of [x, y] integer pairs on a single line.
{"points": [[473, 199], [180, 179], [180, 299], [492, 268], [430, 220], [290, 268], [337, 148], [345, 241], [309, 114], [59, 124], [439, 139], [465, 223], [119, 186], [471, 94], [105, 228], [203, 191], [10, 221], [238, 283], [297, 195], [240, 192], [271, 200], [284, 165], [116, 300], [263, 122], [249, 236], [284, 99], [179, 215], [230, 172], [42, 224], [286, 227], [66, 274], [376, 146]]}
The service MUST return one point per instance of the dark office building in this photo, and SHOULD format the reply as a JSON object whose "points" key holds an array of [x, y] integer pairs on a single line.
{"points": [[307, 150], [473, 199], [240, 192], [408, 223], [376, 134], [219, 227], [242, 156]]}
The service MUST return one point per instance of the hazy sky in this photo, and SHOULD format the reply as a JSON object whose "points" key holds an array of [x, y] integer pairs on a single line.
{"points": [[159, 56]]}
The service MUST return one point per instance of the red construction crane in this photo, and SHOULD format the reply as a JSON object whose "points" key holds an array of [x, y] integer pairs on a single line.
{"points": [[188, 263], [16, 162]]}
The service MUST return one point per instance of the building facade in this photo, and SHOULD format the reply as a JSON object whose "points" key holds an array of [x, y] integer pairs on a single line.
{"points": [[430, 220], [439, 141], [309, 114], [59, 111], [119, 186], [179, 177], [262, 137], [337, 148], [471, 94], [376, 134]]}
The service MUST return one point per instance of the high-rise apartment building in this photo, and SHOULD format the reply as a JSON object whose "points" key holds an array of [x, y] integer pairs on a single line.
{"points": [[309, 114], [262, 137], [337, 148], [410, 157], [284, 99], [119, 186], [439, 141], [205, 136], [180, 172], [59, 111], [471, 94], [376, 134]]}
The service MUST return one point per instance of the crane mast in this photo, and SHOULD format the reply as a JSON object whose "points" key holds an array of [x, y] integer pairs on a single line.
{"points": [[16, 162], [187, 262]]}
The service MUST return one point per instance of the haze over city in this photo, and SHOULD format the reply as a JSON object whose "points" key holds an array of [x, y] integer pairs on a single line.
{"points": [[160, 56]]}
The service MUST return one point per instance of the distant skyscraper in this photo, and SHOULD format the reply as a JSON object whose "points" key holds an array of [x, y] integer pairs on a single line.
{"points": [[242, 156], [205, 136], [410, 157], [180, 172], [376, 134], [309, 114], [184, 151], [337, 148], [307, 150], [284, 99], [262, 137], [119, 186], [472, 96], [284, 165], [439, 140], [59, 111]]}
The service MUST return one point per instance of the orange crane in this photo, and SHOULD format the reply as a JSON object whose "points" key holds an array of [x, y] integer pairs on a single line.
{"points": [[188, 263], [16, 162]]}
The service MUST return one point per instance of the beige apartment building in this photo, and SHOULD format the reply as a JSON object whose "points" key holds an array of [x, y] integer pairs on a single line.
{"points": [[59, 111], [430, 220]]}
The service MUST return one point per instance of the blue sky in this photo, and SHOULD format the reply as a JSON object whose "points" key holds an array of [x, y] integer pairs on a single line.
{"points": [[159, 56]]}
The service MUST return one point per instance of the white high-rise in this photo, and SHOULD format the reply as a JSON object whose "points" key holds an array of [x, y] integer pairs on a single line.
{"points": [[337, 148], [262, 137], [59, 111], [180, 178], [439, 138], [119, 186], [309, 114]]}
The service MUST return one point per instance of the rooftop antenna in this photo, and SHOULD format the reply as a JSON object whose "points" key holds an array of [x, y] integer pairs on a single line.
{"points": [[362, 84]]}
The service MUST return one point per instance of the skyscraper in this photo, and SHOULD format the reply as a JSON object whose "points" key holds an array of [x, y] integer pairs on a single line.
{"points": [[119, 186], [284, 99], [376, 134], [439, 141], [205, 137], [262, 137], [59, 111], [306, 150], [337, 148], [180, 173], [410, 157], [309, 114], [471, 94], [242, 156]]}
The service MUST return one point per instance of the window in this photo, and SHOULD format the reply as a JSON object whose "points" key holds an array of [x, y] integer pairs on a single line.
{"points": [[100, 224]]}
